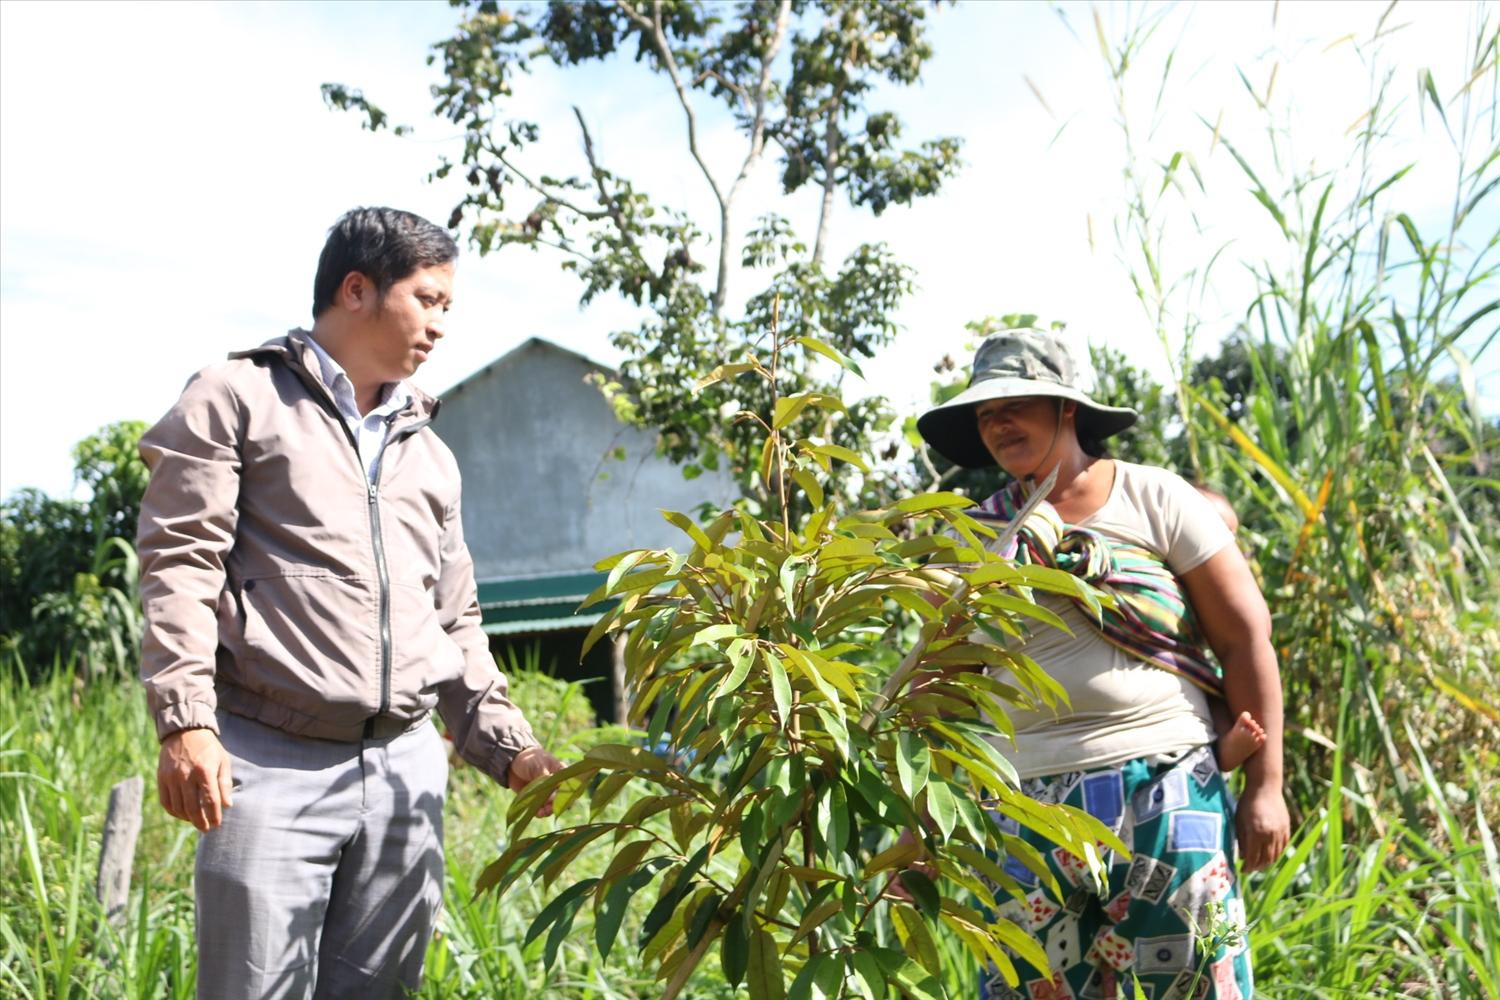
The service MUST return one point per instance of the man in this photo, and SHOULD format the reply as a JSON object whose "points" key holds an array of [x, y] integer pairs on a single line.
{"points": [[309, 601]]}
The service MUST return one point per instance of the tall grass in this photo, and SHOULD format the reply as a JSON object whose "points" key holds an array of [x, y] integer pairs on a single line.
{"points": [[63, 747], [1359, 458]]}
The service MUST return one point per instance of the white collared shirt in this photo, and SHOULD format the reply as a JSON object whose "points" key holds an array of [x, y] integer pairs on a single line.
{"points": [[371, 429]]}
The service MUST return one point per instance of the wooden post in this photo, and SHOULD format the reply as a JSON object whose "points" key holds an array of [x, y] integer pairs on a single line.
{"points": [[617, 675], [122, 825]]}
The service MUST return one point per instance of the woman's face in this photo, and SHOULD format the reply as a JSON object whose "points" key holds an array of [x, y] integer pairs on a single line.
{"points": [[1020, 432]]}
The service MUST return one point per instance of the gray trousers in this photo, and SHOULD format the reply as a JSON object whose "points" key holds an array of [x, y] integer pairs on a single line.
{"points": [[325, 878]]}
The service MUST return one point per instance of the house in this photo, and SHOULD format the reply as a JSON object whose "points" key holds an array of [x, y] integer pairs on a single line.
{"points": [[553, 482]]}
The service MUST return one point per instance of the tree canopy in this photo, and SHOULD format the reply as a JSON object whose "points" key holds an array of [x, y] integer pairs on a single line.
{"points": [[796, 77]]}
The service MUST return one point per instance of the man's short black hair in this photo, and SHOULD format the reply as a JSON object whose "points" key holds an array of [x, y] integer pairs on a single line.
{"points": [[383, 244]]}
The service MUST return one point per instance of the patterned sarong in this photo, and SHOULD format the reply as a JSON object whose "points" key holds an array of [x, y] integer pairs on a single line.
{"points": [[1171, 916], [1151, 618]]}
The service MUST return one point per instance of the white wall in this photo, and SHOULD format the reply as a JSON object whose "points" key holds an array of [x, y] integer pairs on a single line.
{"points": [[540, 494]]}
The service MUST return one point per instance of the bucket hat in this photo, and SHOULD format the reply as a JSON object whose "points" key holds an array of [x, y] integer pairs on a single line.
{"points": [[1020, 362]]}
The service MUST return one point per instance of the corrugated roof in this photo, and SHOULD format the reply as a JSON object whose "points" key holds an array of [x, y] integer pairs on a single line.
{"points": [[540, 603]]}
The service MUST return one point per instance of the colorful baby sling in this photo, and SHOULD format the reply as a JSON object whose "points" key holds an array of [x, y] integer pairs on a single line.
{"points": [[1151, 618]]}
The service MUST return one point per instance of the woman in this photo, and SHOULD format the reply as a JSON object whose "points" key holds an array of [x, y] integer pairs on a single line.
{"points": [[1132, 747]]}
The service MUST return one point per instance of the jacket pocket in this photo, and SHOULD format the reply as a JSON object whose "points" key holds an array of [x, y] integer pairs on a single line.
{"points": [[425, 656], [311, 643]]}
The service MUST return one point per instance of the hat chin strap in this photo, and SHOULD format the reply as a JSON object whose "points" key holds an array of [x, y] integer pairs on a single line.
{"points": [[1030, 477]]}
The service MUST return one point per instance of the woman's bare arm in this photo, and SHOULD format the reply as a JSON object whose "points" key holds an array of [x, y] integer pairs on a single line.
{"points": [[1237, 624]]}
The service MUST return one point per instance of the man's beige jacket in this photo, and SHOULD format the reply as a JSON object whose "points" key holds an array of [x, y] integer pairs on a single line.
{"points": [[281, 584]]}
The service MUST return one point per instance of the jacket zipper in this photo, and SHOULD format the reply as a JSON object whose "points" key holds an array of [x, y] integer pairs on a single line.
{"points": [[385, 597], [382, 574], [377, 541]]}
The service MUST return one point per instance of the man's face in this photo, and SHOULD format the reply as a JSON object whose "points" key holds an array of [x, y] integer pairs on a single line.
{"points": [[400, 332], [1019, 432]]}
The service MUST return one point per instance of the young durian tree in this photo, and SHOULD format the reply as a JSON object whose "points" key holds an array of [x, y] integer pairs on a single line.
{"points": [[801, 785]]}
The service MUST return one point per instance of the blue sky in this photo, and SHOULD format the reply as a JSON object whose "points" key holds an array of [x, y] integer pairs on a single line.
{"points": [[168, 172]]}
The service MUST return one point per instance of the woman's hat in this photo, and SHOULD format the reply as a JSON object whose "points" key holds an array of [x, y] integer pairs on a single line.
{"points": [[1020, 362]]}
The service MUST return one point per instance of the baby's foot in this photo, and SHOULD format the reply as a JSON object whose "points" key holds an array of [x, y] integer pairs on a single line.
{"points": [[1244, 739]]}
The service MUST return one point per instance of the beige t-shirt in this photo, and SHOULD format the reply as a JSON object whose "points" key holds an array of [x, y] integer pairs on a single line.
{"points": [[1122, 708]]}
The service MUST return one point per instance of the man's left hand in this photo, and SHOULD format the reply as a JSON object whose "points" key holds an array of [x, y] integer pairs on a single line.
{"points": [[528, 766], [1263, 825]]}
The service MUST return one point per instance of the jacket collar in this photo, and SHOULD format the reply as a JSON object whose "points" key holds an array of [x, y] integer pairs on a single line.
{"points": [[295, 351]]}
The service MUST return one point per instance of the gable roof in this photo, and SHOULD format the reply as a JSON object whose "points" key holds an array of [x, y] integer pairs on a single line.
{"points": [[528, 346]]}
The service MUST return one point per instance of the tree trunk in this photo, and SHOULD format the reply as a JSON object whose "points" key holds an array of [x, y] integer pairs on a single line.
{"points": [[830, 178], [617, 676]]}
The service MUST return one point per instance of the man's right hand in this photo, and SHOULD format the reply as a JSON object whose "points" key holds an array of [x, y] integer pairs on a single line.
{"points": [[192, 778]]}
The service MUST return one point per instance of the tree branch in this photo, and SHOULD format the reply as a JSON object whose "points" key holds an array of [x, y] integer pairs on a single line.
{"points": [[669, 63], [611, 206], [757, 148], [540, 188]]}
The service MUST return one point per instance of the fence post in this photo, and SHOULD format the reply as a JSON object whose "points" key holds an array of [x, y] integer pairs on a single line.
{"points": [[122, 825]]}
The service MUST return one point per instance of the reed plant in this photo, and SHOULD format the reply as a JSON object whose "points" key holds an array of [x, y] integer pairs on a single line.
{"points": [[1361, 462]]}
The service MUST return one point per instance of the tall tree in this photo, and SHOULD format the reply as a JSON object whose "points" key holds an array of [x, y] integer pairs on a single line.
{"points": [[811, 105]]}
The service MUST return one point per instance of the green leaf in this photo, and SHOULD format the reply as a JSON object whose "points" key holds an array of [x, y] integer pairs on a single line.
{"points": [[923, 892], [617, 901], [787, 409], [805, 665], [892, 857], [842, 454], [923, 502], [913, 981], [554, 909], [659, 720], [765, 980], [1426, 88], [940, 804], [715, 633], [625, 565], [1030, 857], [513, 863], [916, 937], [833, 724], [620, 756], [819, 979], [562, 856], [802, 986], [560, 931], [867, 973], [840, 801], [973, 819], [986, 866], [752, 829], [692, 530], [723, 372], [602, 626], [1020, 942], [666, 906], [734, 949], [810, 486], [742, 654], [911, 764], [781, 688], [704, 916], [831, 353], [833, 816]]}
